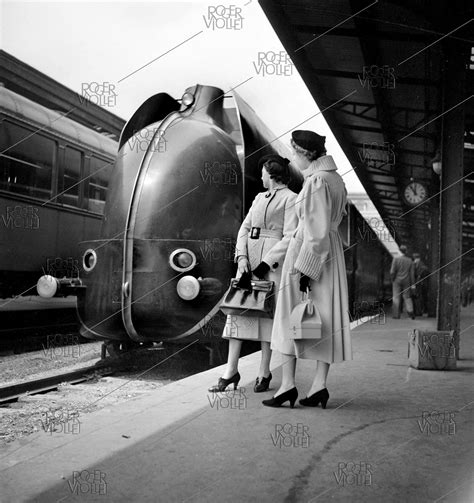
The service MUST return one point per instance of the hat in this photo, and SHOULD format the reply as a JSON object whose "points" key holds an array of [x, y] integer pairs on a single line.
{"points": [[309, 140], [282, 161]]}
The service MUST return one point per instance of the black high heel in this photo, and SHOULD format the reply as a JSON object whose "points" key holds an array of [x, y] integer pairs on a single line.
{"points": [[223, 383], [321, 396], [277, 401], [261, 386]]}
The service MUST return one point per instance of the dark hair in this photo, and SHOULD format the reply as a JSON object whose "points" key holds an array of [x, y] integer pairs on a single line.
{"points": [[278, 172], [311, 155]]}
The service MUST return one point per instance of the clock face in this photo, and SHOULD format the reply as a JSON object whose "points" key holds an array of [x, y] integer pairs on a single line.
{"points": [[415, 193]]}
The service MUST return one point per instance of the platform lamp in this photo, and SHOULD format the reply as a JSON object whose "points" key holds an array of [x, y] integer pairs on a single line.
{"points": [[436, 162]]}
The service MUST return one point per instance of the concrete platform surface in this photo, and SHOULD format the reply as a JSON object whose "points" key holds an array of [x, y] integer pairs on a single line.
{"points": [[390, 433]]}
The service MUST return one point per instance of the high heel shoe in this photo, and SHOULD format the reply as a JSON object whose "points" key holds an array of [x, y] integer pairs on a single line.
{"points": [[277, 401], [261, 386], [314, 400], [223, 383]]}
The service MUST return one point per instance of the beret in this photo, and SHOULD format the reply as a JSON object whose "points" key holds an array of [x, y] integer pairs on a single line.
{"points": [[308, 140]]}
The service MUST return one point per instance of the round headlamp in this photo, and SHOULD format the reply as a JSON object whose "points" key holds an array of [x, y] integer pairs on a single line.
{"points": [[89, 260], [182, 260]]}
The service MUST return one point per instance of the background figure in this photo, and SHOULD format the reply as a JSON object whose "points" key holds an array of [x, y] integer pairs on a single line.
{"points": [[467, 290], [402, 274], [421, 272]]}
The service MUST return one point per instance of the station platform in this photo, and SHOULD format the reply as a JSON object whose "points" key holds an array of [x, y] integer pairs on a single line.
{"points": [[390, 433]]}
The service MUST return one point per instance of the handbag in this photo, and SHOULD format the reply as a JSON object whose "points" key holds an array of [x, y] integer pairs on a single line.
{"points": [[431, 350], [259, 301], [305, 320]]}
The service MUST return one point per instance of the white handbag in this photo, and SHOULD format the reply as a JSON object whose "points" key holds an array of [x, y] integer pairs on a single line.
{"points": [[305, 320]]}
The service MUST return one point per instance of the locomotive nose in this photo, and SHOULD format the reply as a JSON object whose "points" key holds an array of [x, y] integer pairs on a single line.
{"points": [[153, 277]]}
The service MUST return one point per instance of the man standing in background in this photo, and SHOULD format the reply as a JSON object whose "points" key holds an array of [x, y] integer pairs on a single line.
{"points": [[402, 274], [421, 271]]}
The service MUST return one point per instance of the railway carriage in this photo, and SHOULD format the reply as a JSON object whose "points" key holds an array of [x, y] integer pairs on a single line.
{"points": [[53, 184]]}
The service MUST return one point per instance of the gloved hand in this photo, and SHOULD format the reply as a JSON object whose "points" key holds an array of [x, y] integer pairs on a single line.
{"points": [[245, 281], [243, 264], [304, 283], [261, 270]]}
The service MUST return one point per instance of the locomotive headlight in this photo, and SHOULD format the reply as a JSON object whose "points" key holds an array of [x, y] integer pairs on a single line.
{"points": [[47, 286], [182, 260], [188, 287], [89, 259], [187, 99]]}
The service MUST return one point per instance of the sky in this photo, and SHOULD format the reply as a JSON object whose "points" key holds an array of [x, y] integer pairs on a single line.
{"points": [[143, 48]]}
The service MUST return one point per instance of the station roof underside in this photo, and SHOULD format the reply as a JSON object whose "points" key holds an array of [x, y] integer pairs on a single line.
{"points": [[375, 71]]}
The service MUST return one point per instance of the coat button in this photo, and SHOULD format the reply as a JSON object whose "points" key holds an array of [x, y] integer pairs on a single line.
{"points": [[275, 265]]}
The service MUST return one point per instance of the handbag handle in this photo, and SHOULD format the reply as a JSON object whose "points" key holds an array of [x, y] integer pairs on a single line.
{"points": [[310, 305]]}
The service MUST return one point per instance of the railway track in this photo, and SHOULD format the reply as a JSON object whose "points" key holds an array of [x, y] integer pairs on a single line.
{"points": [[34, 386]]}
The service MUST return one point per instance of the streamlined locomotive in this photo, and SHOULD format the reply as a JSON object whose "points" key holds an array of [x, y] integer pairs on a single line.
{"points": [[186, 174]]}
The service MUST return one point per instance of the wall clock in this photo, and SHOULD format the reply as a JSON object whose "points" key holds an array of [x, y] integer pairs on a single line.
{"points": [[415, 193]]}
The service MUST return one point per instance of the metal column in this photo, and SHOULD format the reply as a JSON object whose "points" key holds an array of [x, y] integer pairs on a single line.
{"points": [[450, 230]]}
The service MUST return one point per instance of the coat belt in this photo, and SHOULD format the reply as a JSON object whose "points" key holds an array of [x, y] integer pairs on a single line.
{"points": [[266, 233]]}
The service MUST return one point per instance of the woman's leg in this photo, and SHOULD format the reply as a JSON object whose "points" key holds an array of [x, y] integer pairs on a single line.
{"points": [[288, 369], [233, 358], [319, 383], [265, 361]]}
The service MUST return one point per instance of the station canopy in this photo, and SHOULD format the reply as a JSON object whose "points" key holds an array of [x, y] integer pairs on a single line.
{"points": [[375, 70]]}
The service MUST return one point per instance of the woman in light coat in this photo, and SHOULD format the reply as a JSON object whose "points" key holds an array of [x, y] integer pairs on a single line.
{"points": [[315, 261], [261, 246]]}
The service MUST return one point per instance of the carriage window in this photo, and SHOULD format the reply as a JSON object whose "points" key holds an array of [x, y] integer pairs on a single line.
{"points": [[26, 161], [100, 172], [72, 177]]}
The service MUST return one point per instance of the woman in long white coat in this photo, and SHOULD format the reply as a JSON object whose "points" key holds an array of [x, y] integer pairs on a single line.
{"points": [[261, 247], [315, 261]]}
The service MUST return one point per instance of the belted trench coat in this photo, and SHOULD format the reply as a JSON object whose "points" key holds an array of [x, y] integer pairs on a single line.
{"points": [[264, 236], [316, 250]]}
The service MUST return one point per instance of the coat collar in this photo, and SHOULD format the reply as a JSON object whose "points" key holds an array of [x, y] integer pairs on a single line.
{"points": [[324, 163], [270, 193]]}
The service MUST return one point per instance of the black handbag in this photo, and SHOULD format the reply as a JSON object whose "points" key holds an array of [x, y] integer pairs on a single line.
{"points": [[259, 301]]}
